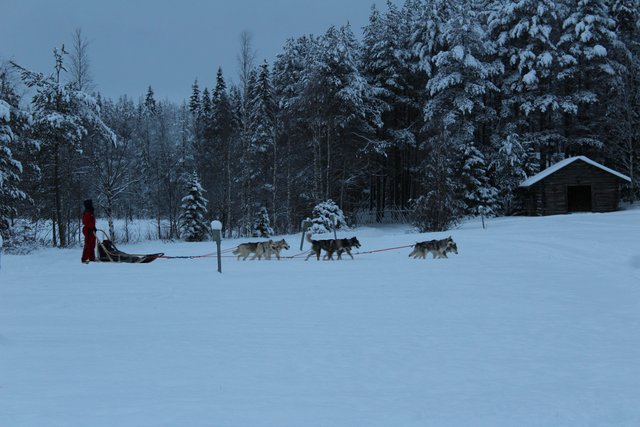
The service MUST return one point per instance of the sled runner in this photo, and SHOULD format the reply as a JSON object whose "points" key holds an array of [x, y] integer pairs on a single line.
{"points": [[107, 252]]}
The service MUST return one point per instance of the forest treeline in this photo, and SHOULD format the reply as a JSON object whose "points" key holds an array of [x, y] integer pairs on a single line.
{"points": [[442, 108]]}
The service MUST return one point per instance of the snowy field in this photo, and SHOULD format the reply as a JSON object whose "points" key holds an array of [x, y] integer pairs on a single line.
{"points": [[536, 322]]}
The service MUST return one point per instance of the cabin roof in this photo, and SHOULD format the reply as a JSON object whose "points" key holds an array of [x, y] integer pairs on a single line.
{"points": [[561, 164]]}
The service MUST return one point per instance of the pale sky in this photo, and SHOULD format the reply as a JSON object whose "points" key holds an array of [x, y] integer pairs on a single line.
{"points": [[165, 44]]}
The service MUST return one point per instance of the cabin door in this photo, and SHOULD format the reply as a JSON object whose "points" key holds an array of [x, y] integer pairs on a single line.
{"points": [[579, 198]]}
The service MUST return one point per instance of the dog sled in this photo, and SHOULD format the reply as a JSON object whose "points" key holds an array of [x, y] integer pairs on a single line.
{"points": [[108, 252]]}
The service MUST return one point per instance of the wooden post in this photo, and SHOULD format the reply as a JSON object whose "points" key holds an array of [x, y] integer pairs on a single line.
{"points": [[305, 226], [216, 231]]}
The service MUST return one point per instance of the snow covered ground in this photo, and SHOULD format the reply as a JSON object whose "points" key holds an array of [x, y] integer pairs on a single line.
{"points": [[534, 323]]}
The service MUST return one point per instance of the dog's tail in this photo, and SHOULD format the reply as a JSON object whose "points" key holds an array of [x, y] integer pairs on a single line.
{"points": [[309, 239]]}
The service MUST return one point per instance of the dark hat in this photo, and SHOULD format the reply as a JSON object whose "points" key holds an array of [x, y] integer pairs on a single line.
{"points": [[88, 204]]}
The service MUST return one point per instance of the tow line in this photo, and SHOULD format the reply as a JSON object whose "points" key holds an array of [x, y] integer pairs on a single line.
{"points": [[296, 256]]}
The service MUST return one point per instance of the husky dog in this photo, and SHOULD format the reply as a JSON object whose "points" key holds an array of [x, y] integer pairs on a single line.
{"points": [[257, 248], [276, 247], [346, 245], [331, 246], [438, 248], [317, 246]]}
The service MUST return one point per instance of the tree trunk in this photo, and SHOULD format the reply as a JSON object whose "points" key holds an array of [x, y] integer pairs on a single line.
{"points": [[344, 179], [62, 234], [288, 203], [228, 219], [54, 238], [317, 170], [327, 189], [126, 228], [112, 232], [274, 210]]}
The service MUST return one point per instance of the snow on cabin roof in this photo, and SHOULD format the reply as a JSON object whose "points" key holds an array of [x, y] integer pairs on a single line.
{"points": [[554, 168]]}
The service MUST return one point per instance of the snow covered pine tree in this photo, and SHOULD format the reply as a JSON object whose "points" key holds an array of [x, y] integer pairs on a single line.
{"points": [[327, 216], [9, 171], [262, 224], [193, 223]]}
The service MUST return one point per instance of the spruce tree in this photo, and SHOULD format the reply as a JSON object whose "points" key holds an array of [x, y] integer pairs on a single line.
{"points": [[327, 217], [263, 147], [438, 207], [194, 100], [193, 220], [588, 71], [623, 106], [150, 101], [462, 79], [10, 170], [261, 111], [514, 159], [223, 126], [525, 37], [262, 224], [477, 193], [205, 108]]}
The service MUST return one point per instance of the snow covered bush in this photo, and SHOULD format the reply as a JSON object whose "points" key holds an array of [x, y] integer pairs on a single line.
{"points": [[432, 212], [193, 223], [262, 224], [22, 238], [327, 216]]}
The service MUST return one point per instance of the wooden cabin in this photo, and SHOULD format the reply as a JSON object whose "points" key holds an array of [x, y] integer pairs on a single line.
{"points": [[576, 184]]}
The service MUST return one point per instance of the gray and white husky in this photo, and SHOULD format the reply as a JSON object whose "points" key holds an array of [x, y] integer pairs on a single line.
{"points": [[260, 249], [438, 248], [278, 246]]}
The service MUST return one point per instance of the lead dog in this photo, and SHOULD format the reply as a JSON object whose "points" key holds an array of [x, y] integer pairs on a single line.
{"points": [[438, 248]]}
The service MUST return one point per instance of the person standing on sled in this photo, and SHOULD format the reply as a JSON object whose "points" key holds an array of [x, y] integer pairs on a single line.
{"points": [[89, 232]]}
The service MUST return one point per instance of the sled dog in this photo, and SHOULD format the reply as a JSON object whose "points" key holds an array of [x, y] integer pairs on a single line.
{"points": [[278, 246], [438, 248], [345, 245], [331, 246], [259, 249]]}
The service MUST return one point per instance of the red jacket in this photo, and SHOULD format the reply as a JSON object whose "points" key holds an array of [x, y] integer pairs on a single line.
{"points": [[88, 222]]}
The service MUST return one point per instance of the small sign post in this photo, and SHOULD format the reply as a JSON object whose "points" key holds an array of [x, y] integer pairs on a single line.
{"points": [[216, 231]]}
